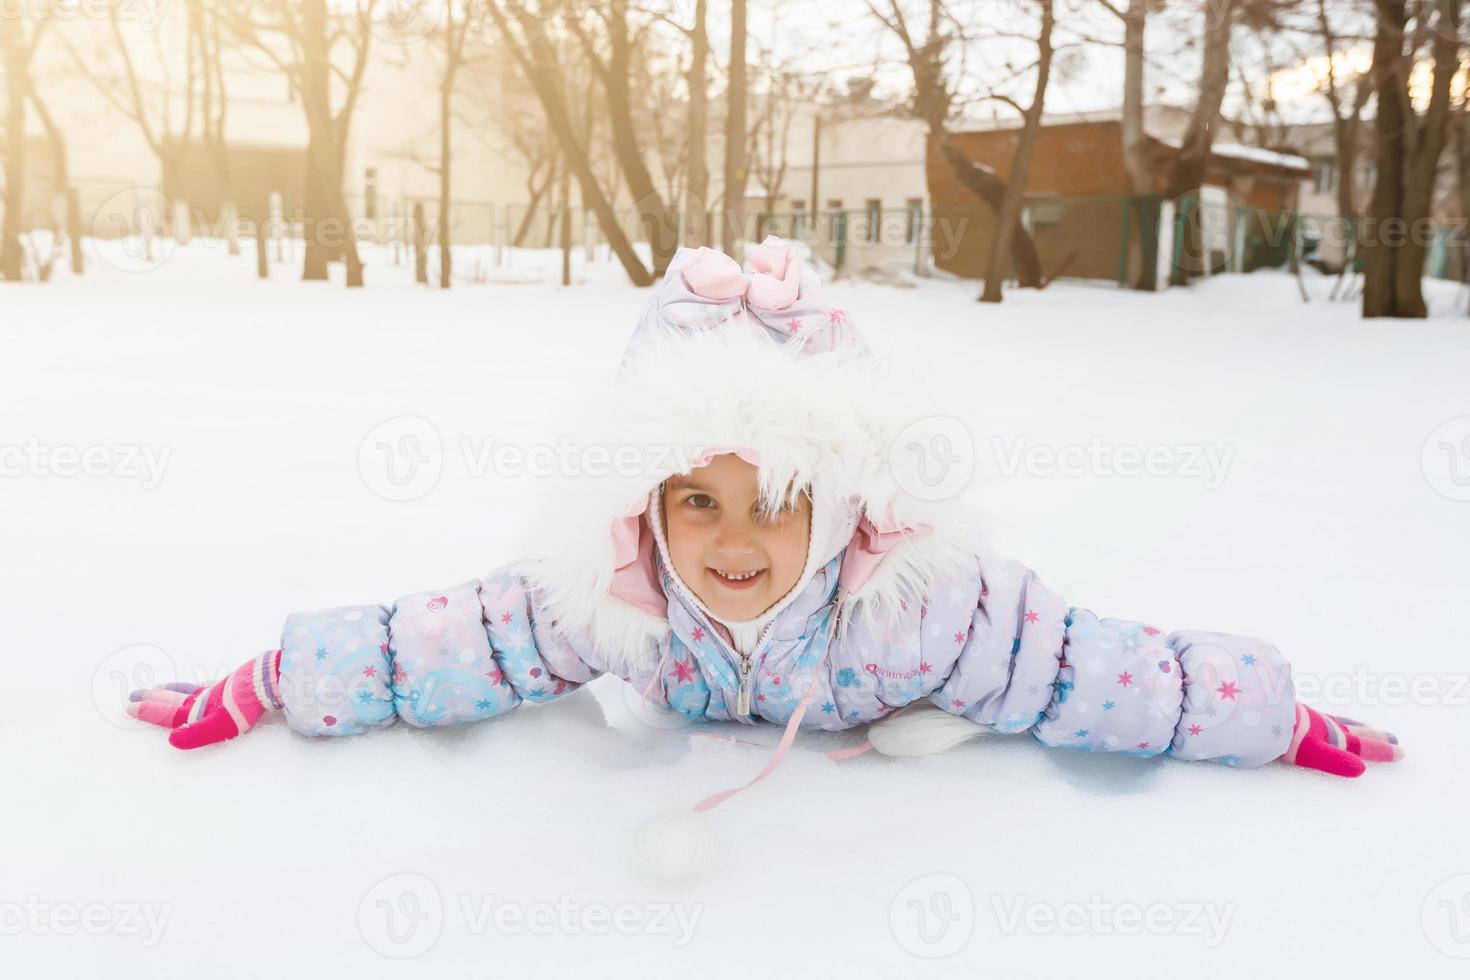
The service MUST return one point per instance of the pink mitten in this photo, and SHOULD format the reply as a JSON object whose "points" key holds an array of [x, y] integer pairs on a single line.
{"points": [[1337, 745], [201, 717]]}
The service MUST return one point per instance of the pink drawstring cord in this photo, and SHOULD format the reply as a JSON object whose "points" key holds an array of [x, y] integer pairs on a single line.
{"points": [[840, 755], [787, 737], [782, 748]]}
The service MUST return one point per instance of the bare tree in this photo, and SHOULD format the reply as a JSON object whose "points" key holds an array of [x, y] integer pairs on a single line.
{"points": [[523, 25], [1008, 218], [543, 162], [1409, 147], [1187, 173], [138, 79], [1346, 97], [17, 49], [933, 101], [61, 169], [205, 33], [610, 39], [453, 36], [733, 220], [695, 217], [302, 38], [783, 92], [657, 79]]}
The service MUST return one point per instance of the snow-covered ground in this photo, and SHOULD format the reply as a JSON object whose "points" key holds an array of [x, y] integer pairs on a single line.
{"points": [[1305, 465]]}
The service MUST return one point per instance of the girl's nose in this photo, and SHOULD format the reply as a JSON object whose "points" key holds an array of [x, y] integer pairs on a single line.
{"points": [[735, 537]]}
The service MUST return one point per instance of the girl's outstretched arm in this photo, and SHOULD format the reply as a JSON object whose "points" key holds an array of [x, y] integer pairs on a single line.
{"points": [[433, 658], [1006, 652]]}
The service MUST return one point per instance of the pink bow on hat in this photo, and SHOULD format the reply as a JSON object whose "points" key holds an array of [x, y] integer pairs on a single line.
{"points": [[773, 283]]}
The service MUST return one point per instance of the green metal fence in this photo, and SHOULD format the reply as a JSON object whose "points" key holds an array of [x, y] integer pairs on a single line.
{"points": [[1107, 238]]}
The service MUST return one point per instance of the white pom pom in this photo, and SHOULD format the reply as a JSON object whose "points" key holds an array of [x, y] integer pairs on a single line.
{"points": [[922, 728], [676, 844]]}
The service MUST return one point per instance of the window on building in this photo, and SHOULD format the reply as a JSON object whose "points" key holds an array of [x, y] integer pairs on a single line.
{"points": [[874, 208], [798, 217], [836, 218], [915, 208], [370, 193], [1326, 176]]}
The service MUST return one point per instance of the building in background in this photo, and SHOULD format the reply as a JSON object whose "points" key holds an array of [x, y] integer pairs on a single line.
{"points": [[1078, 209]]}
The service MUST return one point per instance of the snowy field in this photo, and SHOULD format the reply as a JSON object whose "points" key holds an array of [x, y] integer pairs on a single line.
{"points": [[1308, 485]]}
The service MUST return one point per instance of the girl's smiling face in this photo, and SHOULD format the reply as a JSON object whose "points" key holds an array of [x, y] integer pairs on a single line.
{"points": [[736, 559]]}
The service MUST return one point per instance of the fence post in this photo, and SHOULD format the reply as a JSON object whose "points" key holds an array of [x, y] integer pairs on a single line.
{"points": [[1436, 255], [1181, 211], [262, 260], [1123, 252], [839, 232], [420, 258]]}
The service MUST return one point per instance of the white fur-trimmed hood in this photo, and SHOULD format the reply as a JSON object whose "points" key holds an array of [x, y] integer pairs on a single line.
{"points": [[822, 420]]}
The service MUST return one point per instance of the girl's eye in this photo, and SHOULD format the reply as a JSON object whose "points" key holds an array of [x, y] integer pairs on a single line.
{"points": [[700, 501]]}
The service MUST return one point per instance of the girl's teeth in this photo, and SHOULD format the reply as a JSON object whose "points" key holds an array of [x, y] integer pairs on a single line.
{"points": [[739, 576]]}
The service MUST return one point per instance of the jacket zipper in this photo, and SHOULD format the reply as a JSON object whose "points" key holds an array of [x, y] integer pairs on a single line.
{"points": [[742, 697], [742, 700]]}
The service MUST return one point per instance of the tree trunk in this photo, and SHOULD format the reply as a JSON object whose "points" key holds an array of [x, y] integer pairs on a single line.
{"points": [[262, 261], [537, 63], [983, 182], [453, 58], [1010, 209], [735, 168], [74, 231], [1408, 158], [60, 166], [1188, 172], [17, 84], [656, 215], [536, 194], [1143, 194], [316, 210], [326, 226], [444, 157], [696, 192], [1462, 180], [420, 239], [566, 231]]}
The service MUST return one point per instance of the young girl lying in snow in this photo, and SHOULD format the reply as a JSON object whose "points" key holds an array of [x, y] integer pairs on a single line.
{"points": [[771, 566]]}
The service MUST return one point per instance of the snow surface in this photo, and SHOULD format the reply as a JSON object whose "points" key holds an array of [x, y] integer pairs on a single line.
{"points": [[278, 855]]}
